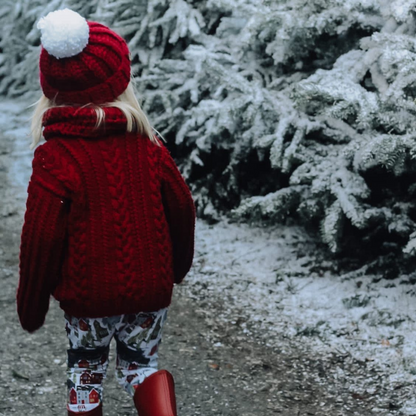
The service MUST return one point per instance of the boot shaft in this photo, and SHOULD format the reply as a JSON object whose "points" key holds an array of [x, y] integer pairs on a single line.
{"points": [[156, 395]]}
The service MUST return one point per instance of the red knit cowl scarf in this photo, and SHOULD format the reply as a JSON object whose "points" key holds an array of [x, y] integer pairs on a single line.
{"points": [[81, 122]]}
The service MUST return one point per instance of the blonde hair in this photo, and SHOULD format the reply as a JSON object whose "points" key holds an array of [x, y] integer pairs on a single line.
{"points": [[137, 120]]}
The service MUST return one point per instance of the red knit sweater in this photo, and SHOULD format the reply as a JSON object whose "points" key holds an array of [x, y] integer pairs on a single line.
{"points": [[109, 225]]}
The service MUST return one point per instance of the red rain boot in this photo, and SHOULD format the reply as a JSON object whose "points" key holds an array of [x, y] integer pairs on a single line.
{"points": [[156, 395], [98, 411]]}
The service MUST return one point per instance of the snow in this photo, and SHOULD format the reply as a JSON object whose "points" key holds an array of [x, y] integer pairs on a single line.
{"points": [[15, 124], [276, 278]]}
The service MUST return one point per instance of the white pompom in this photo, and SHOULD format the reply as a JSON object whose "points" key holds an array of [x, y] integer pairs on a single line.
{"points": [[65, 33]]}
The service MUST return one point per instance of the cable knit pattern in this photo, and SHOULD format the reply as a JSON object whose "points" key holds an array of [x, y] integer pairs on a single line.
{"points": [[109, 225], [114, 162], [160, 225], [180, 215]]}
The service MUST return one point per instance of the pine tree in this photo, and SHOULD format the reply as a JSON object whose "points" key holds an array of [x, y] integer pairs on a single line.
{"points": [[362, 109]]}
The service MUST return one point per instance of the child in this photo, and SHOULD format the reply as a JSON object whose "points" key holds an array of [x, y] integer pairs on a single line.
{"points": [[109, 225]]}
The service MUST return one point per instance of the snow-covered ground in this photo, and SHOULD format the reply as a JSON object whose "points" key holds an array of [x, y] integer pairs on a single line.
{"points": [[276, 279]]}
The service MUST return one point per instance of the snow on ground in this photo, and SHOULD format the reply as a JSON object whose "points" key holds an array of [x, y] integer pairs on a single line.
{"points": [[14, 122], [277, 277]]}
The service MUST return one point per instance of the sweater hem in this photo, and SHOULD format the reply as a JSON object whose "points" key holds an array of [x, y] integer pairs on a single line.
{"points": [[74, 309]]}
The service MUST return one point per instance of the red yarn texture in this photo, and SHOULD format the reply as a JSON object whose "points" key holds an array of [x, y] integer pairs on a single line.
{"points": [[109, 225], [98, 74]]}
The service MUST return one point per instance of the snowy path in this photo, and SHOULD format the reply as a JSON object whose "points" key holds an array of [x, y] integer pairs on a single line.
{"points": [[261, 326]]}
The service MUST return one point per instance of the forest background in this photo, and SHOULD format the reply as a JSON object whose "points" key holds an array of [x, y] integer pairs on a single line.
{"points": [[295, 112]]}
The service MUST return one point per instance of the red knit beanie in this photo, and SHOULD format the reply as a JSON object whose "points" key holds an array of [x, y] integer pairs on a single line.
{"points": [[81, 62]]}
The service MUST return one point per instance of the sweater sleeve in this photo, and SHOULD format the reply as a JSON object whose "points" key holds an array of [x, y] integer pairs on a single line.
{"points": [[180, 214], [42, 245]]}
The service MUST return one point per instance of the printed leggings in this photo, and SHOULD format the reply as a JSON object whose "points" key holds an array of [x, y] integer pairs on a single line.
{"points": [[137, 337]]}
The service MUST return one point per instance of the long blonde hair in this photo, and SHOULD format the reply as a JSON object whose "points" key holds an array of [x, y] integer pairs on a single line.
{"points": [[137, 120]]}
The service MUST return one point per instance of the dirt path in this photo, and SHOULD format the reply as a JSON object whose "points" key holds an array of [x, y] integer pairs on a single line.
{"points": [[221, 368]]}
